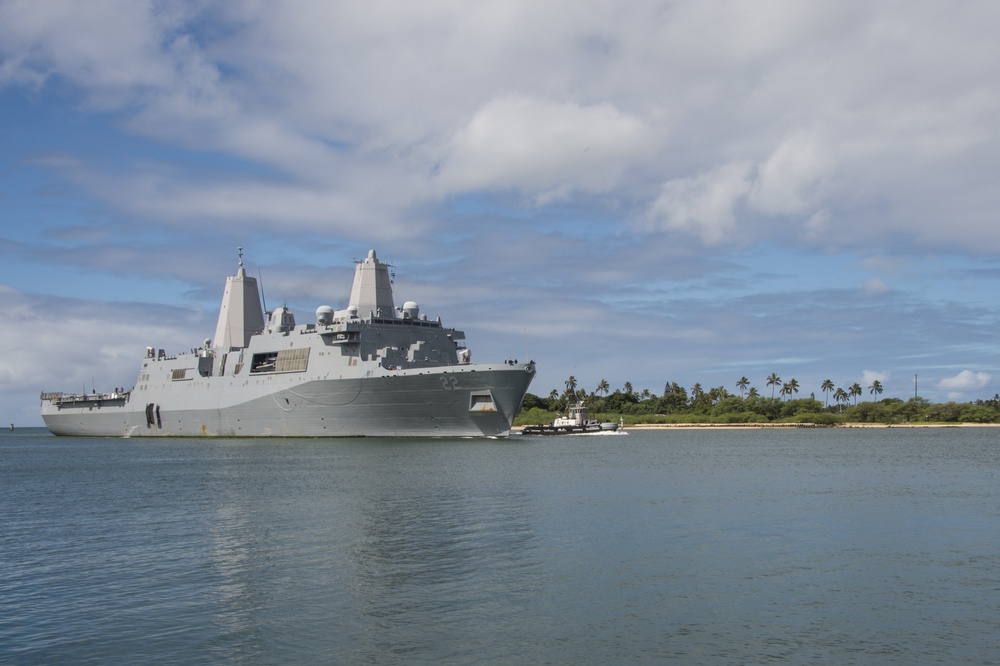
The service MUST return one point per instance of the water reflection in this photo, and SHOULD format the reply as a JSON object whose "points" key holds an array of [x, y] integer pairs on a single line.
{"points": [[375, 555], [460, 553]]}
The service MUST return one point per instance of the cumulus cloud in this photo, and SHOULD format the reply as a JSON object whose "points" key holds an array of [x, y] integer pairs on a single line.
{"points": [[105, 350], [966, 380], [874, 286], [791, 180], [868, 376], [541, 146], [817, 226], [112, 48], [704, 205], [696, 118]]}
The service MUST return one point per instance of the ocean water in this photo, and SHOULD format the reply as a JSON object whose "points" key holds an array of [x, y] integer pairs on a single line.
{"points": [[805, 546]]}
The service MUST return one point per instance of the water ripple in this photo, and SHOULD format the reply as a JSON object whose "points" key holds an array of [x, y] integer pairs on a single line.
{"points": [[726, 547]]}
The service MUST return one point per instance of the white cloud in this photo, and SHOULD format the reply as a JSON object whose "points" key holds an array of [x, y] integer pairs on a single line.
{"points": [[537, 145], [817, 226], [696, 116], [704, 205], [105, 350], [966, 380], [874, 287], [869, 376], [109, 46], [791, 179]]}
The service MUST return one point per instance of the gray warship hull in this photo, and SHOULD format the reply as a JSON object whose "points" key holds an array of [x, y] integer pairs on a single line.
{"points": [[390, 374]]}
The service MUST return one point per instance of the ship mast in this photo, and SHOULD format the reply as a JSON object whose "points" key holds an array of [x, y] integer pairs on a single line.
{"points": [[241, 315], [371, 293]]}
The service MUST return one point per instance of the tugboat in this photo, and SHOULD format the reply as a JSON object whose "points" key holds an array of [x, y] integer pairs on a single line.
{"points": [[576, 422]]}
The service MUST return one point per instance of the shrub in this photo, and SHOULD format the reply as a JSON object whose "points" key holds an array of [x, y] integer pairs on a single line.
{"points": [[535, 416], [819, 418]]}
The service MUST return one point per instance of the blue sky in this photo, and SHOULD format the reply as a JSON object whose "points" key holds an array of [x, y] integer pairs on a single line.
{"points": [[643, 192]]}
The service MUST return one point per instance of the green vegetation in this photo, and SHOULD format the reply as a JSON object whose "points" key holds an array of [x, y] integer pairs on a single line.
{"points": [[678, 405]]}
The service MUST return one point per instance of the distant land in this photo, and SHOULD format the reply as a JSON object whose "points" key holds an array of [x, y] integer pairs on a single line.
{"points": [[680, 407]]}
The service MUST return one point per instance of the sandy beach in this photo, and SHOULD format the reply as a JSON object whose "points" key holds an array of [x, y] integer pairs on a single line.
{"points": [[743, 426], [654, 426]]}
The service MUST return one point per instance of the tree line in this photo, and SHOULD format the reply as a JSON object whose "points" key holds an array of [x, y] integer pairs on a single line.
{"points": [[747, 405]]}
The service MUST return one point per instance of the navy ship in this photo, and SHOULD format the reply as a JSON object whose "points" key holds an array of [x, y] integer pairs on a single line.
{"points": [[370, 369]]}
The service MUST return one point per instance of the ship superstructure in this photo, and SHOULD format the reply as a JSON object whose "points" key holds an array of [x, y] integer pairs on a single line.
{"points": [[370, 369]]}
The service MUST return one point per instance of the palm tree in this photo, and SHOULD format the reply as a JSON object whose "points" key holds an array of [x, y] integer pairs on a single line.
{"points": [[717, 394], [855, 391], [827, 388], [875, 388], [753, 392], [840, 395], [742, 385], [788, 388], [571, 385], [628, 388], [772, 381], [603, 386]]}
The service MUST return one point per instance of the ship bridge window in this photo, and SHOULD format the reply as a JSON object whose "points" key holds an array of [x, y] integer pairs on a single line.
{"points": [[286, 360]]}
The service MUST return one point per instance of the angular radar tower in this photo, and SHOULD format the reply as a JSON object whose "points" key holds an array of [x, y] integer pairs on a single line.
{"points": [[241, 315], [372, 289]]}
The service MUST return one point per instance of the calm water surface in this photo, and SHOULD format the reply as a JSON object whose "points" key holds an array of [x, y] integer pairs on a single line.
{"points": [[709, 546]]}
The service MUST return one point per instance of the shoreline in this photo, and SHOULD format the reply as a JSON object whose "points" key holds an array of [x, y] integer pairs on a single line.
{"points": [[742, 426], [734, 426]]}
